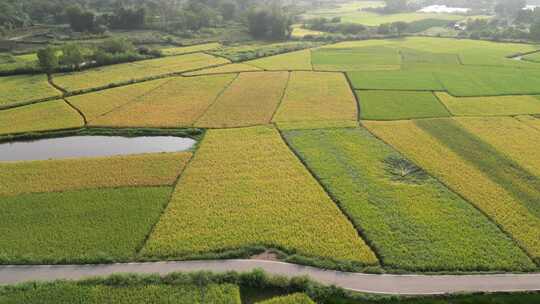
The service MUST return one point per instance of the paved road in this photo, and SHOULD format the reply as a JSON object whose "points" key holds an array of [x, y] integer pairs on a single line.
{"points": [[372, 283]]}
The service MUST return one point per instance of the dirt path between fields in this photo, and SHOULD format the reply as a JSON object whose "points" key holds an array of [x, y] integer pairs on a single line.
{"points": [[372, 283]]}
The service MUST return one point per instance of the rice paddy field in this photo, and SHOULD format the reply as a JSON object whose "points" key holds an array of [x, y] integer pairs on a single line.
{"points": [[407, 155]]}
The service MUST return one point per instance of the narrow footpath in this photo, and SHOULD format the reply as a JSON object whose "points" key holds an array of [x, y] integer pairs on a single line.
{"points": [[371, 283]]}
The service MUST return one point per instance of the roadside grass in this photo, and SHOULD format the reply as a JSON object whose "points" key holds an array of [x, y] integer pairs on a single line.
{"points": [[490, 106], [457, 169], [297, 298], [251, 99], [244, 187], [22, 88], [225, 69], [175, 102], [79, 226], [473, 81], [530, 120], [518, 141], [317, 96], [154, 169], [395, 80], [396, 105], [125, 72], [299, 60], [173, 51], [357, 59], [51, 115], [414, 222]]}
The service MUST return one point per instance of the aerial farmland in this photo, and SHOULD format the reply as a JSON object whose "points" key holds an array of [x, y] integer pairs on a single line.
{"points": [[176, 168]]}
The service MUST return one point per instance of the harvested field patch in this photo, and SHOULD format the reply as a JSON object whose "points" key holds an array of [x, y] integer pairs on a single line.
{"points": [[395, 105], [78, 226], [172, 51], [43, 116], [299, 60], [395, 80], [244, 187], [490, 106], [17, 89], [250, 100], [85, 173], [174, 102], [125, 72], [358, 59], [225, 69], [317, 96], [465, 177], [413, 221]]}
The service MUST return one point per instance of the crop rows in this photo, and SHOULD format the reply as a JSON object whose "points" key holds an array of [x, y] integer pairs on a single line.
{"points": [[464, 164], [244, 187], [413, 221]]}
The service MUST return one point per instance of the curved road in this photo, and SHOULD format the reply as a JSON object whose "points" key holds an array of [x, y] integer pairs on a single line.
{"points": [[372, 283]]}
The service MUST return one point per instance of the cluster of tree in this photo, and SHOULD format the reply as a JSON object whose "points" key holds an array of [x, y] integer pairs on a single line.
{"points": [[269, 23], [73, 56], [334, 25]]}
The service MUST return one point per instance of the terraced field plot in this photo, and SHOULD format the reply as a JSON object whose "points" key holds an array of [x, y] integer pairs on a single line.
{"points": [[229, 68], [51, 115], [88, 173], [251, 99], [171, 102], [490, 106], [19, 89], [487, 179], [394, 202], [395, 105], [88, 225], [126, 72], [396, 80], [358, 59], [293, 61], [533, 121], [67, 293], [317, 96], [244, 188]]}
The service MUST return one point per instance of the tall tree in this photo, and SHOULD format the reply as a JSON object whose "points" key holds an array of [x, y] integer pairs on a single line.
{"points": [[48, 60]]}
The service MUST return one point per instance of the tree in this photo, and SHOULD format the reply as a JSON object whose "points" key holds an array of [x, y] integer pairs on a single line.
{"points": [[400, 27], [535, 31], [72, 56], [128, 18], [117, 46], [47, 58], [268, 23], [228, 10], [79, 20]]}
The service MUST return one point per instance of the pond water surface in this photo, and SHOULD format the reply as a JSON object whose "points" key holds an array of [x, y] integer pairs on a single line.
{"points": [[91, 146]]}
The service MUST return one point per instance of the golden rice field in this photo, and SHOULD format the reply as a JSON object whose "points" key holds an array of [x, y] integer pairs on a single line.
{"points": [[51, 115], [173, 51], [490, 106], [251, 99], [244, 187], [175, 102], [316, 124], [293, 61], [18, 89], [533, 121], [465, 178], [88, 173], [225, 69], [317, 96], [508, 135], [125, 72]]}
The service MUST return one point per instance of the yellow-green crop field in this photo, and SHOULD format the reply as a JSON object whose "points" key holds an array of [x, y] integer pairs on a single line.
{"points": [[533, 121], [88, 173], [317, 96], [174, 102], [51, 115], [225, 69], [24, 88], [250, 100], [510, 136], [297, 298], [125, 72], [299, 60], [173, 51], [494, 106], [244, 187], [466, 178]]}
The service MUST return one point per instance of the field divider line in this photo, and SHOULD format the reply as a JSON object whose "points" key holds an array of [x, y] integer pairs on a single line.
{"points": [[359, 231], [218, 96], [442, 103], [282, 97], [54, 85], [356, 97], [76, 109], [508, 234], [140, 247]]}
